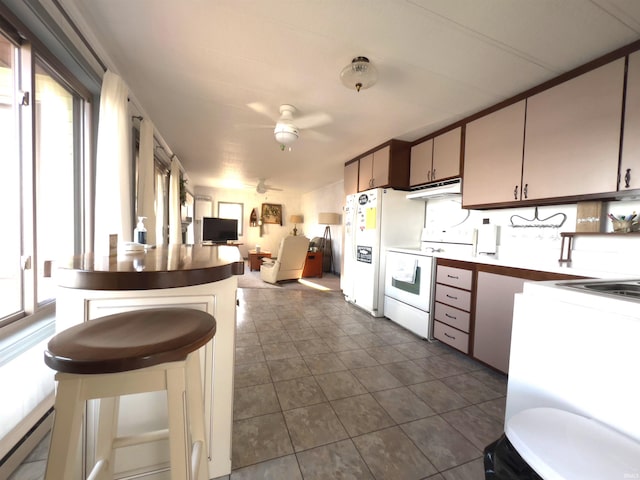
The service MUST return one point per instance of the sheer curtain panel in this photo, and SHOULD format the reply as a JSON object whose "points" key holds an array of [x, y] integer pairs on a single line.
{"points": [[113, 172], [175, 222], [146, 180]]}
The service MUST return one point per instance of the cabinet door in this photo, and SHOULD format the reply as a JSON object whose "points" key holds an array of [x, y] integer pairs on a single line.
{"points": [[365, 173], [493, 157], [351, 178], [572, 139], [381, 159], [494, 313], [630, 165], [446, 155], [421, 162]]}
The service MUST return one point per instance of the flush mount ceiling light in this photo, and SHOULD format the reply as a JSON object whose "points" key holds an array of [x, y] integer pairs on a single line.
{"points": [[359, 74]]}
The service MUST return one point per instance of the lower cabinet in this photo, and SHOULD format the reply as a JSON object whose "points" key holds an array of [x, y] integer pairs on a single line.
{"points": [[452, 308], [473, 307], [493, 317]]}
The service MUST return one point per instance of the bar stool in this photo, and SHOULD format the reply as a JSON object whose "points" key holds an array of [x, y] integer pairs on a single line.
{"points": [[126, 353]]}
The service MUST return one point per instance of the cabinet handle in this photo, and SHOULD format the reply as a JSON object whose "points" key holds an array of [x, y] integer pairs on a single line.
{"points": [[627, 178], [526, 190], [515, 193], [433, 176], [451, 297], [450, 316], [455, 277], [450, 336], [429, 175], [371, 182]]}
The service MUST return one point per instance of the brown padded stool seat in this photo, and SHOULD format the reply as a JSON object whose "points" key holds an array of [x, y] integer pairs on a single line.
{"points": [[130, 341]]}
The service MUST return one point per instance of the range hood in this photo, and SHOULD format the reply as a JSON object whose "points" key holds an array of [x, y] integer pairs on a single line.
{"points": [[440, 189]]}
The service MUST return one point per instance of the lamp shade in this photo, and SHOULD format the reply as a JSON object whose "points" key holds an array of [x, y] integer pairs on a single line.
{"points": [[326, 218], [296, 219]]}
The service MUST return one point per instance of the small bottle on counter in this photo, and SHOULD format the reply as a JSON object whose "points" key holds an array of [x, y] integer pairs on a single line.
{"points": [[140, 232]]}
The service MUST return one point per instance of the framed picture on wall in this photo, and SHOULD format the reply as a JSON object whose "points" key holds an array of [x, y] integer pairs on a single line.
{"points": [[272, 213]]}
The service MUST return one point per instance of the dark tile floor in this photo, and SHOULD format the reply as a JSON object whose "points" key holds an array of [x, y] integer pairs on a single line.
{"points": [[325, 391]]}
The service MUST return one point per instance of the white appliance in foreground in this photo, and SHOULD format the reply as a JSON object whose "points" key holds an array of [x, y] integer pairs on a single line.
{"points": [[576, 351], [374, 220], [407, 290]]}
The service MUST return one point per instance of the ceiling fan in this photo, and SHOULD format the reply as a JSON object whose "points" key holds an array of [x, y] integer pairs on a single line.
{"points": [[287, 128], [264, 188]]}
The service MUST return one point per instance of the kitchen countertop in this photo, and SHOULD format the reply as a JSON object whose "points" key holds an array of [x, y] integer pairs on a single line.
{"points": [[167, 266], [545, 261]]}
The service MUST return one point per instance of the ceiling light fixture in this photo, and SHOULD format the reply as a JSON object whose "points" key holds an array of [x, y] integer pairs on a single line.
{"points": [[286, 132], [359, 74]]}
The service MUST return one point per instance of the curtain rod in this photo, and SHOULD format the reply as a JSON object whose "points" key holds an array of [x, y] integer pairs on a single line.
{"points": [[79, 33]]}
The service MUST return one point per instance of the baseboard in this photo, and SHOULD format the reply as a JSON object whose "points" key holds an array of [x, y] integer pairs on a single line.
{"points": [[27, 444]]}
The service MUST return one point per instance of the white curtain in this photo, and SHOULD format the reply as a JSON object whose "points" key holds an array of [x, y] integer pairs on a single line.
{"points": [[113, 172], [175, 222], [146, 180], [161, 224]]}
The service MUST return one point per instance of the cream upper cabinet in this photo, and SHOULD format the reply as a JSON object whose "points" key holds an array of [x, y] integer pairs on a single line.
{"points": [[421, 163], [388, 166], [630, 164], [351, 178], [381, 160], [374, 170], [493, 157], [436, 159], [446, 155], [572, 136], [365, 175]]}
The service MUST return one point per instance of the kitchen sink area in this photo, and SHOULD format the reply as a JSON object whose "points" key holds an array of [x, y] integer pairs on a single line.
{"points": [[628, 289]]}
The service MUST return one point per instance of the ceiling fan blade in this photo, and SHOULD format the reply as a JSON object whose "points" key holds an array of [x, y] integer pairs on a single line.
{"points": [[313, 120], [252, 125], [263, 109], [318, 136]]}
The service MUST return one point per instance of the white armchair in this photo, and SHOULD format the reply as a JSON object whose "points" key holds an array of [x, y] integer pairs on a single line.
{"points": [[289, 263]]}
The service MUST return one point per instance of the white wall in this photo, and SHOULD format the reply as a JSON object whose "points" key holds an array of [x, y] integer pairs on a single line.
{"points": [[327, 199], [269, 236]]}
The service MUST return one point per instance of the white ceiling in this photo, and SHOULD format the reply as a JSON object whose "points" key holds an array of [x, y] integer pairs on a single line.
{"points": [[195, 66]]}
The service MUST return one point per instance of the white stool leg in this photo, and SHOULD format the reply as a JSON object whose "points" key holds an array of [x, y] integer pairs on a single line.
{"points": [[199, 466], [107, 432], [178, 445], [65, 435]]}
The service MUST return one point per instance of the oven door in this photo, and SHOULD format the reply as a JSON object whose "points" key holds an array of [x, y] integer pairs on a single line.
{"points": [[408, 279]]}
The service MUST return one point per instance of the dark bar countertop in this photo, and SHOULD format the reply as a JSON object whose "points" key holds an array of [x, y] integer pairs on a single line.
{"points": [[168, 266]]}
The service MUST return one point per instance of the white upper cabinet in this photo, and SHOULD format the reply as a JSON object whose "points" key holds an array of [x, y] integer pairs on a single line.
{"points": [[493, 157], [436, 159], [630, 164], [572, 136]]}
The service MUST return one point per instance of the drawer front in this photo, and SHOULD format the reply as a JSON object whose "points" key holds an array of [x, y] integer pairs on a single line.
{"points": [[451, 336], [454, 297], [456, 277], [452, 316]]}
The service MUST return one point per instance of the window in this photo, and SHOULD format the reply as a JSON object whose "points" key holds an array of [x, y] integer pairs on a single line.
{"points": [[41, 151], [57, 179], [231, 210], [10, 192]]}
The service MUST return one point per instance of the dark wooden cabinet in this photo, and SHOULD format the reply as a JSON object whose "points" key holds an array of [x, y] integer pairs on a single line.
{"points": [[313, 265], [255, 259]]}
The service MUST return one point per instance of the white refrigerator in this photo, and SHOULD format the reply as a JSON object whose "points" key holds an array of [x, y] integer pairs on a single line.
{"points": [[373, 221]]}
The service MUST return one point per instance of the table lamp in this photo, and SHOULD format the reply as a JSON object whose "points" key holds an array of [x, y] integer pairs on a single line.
{"points": [[295, 219]]}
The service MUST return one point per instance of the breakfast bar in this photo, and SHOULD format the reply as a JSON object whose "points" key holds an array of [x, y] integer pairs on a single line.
{"points": [[187, 276]]}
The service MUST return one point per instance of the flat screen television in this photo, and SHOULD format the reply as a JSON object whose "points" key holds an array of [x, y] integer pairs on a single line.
{"points": [[219, 230]]}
